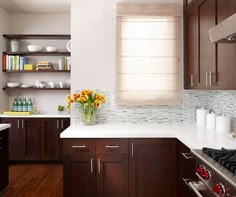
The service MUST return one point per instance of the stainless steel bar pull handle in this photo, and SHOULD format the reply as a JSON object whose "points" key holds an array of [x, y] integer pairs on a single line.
{"points": [[18, 124], [78, 146], [91, 164], [22, 124], [0, 138], [206, 78], [99, 166], [192, 80], [132, 149], [210, 79], [57, 124], [112, 146], [62, 124], [194, 189], [186, 155]]}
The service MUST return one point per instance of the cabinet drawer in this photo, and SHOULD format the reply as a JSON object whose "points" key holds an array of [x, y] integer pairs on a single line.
{"points": [[112, 145], [71, 146]]}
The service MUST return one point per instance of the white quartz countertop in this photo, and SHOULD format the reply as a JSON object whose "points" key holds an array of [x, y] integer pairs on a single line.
{"points": [[38, 116], [195, 137], [4, 126]]}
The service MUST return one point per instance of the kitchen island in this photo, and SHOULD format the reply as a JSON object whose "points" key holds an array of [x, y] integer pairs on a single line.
{"points": [[125, 159]]}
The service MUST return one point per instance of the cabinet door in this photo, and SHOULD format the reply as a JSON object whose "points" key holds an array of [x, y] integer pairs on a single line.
{"points": [[79, 175], [152, 170], [112, 175], [16, 139], [32, 128], [51, 142], [4, 159], [65, 123], [191, 51], [207, 20], [226, 53], [186, 170]]}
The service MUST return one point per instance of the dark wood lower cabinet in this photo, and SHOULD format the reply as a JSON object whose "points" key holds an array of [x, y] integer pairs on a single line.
{"points": [[120, 167], [35, 139], [186, 172], [112, 176], [79, 175], [4, 159], [152, 170]]}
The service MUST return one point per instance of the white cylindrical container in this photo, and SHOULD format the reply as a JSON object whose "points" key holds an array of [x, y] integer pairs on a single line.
{"points": [[211, 120], [201, 116], [14, 45], [61, 64], [222, 124]]}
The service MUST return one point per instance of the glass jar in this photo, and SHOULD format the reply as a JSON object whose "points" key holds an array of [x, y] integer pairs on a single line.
{"points": [[89, 114], [14, 45]]}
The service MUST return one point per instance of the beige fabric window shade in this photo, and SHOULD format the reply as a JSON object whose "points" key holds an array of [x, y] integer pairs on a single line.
{"points": [[148, 54]]}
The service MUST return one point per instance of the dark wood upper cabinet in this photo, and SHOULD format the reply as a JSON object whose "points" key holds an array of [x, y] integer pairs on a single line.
{"points": [[226, 53], [216, 62], [192, 77], [152, 168]]}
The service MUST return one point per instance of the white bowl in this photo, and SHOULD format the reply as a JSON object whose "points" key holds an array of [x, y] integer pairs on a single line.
{"points": [[42, 85], [13, 85], [51, 49], [34, 48]]}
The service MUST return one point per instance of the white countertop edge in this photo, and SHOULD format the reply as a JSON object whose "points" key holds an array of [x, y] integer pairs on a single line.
{"points": [[38, 116], [193, 136], [4, 126]]}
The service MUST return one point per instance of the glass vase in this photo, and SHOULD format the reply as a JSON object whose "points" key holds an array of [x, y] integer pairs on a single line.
{"points": [[89, 114]]}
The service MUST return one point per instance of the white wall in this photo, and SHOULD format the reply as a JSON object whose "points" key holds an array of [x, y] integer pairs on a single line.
{"points": [[4, 24], [46, 101], [93, 33], [40, 23]]}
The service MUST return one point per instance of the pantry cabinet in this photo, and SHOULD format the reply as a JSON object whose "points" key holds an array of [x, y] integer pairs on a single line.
{"points": [[35, 139]]}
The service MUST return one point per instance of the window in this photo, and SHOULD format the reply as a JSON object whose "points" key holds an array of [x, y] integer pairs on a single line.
{"points": [[148, 54]]}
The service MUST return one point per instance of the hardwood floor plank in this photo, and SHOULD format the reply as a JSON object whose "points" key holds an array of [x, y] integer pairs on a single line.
{"points": [[35, 180]]}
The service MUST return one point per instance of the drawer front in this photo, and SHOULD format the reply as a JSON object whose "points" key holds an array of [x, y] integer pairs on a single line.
{"points": [[112, 145], [71, 146]]}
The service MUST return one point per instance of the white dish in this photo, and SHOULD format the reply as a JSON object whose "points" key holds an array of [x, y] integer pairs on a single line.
{"points": [[13, 85], [51, 49], [42, 85], [26, 86], [34, 48]]}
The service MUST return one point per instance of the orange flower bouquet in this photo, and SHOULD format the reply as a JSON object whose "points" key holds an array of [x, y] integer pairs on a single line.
{"points": [[89, 101]]}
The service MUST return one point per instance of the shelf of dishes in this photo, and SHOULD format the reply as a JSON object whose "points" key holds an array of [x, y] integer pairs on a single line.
{"points": [[39, 85]]}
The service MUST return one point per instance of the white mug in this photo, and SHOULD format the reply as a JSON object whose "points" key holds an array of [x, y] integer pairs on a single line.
{"points": [[61, 84], [61, 64], [52, 84]]}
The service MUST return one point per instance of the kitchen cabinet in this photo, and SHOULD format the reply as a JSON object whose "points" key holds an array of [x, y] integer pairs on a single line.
{"points": [[226, 53], [186, 170], [35, 139], [208, 67], [152, 167], [4, 159], [52, 147], [100, 171], [213, 63], [192, 76]]}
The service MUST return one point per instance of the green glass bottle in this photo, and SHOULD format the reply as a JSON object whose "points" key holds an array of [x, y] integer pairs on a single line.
{"points": [[30, 105], [15, 105], [20, 105], [25, 105]]}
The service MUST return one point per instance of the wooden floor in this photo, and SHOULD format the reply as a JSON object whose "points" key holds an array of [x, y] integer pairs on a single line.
{"points": [[35, 181]]}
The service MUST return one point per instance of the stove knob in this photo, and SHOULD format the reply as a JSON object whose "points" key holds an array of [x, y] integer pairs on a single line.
{"points": [[206, 174], [219, 189], [200, 169]]}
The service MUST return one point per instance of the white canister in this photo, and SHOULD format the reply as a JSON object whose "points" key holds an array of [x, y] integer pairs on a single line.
{"points": [[211, 120], [222, 124], [61, 64], [201, 116]]}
